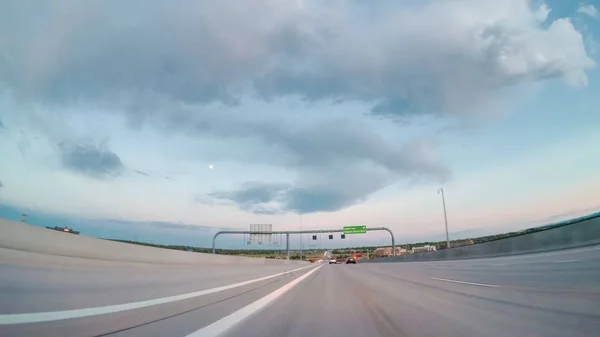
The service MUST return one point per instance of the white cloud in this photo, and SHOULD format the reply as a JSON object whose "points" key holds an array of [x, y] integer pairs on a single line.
{"points": [[435, 54], [588, 10], [541, 14], [173, 68]]}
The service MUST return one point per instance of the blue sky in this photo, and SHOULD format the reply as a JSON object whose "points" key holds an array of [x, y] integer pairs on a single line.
{"points": [[336, 113]]}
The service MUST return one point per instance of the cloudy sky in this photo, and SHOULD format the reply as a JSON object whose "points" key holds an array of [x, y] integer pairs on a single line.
{"points": [[326, 113]]}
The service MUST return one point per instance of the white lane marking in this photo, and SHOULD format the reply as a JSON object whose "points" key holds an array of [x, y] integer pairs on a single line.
{"points": [[498, 264], [77, 313], [566, 261], [464, 282], [227, 322]]}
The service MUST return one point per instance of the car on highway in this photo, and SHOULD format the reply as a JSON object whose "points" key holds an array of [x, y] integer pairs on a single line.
{"points": [[351, 259], [333, 260]]}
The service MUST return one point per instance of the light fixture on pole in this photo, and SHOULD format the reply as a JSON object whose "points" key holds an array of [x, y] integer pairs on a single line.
{"points": [[441, 191]]}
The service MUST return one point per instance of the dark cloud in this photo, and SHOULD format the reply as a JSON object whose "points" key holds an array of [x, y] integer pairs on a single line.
{"points": [[337, 162], [252, 196], [338, 178], [400, 107], [141, 53], [24, 145], [300, 200], [142, 173], [321, 144], [92, 160], [168, 66]]}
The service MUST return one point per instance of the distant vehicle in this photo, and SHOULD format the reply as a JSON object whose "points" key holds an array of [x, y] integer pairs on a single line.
{"points": [[351, 260], [64, 230], [332, 260]]}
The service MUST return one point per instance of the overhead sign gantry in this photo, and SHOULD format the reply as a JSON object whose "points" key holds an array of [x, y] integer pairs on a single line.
{"points": [[346, 230]]}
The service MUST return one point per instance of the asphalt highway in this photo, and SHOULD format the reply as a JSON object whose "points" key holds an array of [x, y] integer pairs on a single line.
{"points": [[548, 294]]}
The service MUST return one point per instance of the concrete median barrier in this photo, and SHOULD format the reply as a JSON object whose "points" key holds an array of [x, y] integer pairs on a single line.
{"points": [[25, 237], [574, 234]]}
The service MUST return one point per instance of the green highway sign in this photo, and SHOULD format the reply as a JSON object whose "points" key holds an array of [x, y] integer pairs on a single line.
{"points": [[355, 229]]}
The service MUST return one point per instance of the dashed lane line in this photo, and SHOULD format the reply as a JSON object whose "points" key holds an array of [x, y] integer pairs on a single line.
{"points": [[219, 327], [77, 313], [465, 282]]}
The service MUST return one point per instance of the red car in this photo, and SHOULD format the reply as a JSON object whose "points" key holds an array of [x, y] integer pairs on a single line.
{"points": [[351, 260]]}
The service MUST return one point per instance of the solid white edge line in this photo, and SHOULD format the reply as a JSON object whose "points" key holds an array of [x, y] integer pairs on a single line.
{"points": [[464, 282], [77, 313], [227, 322], [567, 261]]}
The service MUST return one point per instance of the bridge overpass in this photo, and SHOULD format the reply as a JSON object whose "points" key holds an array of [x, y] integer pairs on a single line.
{"points": [[66, 285]]}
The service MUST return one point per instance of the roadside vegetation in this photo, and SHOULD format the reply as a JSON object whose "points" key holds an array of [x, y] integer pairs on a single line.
{"points": [[365, 251]]}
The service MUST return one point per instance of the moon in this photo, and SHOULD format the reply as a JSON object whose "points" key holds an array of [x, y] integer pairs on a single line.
{"points": [[211, 166]]}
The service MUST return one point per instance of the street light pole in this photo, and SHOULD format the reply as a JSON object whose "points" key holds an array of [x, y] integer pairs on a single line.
{"points": [[287, 245], [441, 190], [301, 243]]}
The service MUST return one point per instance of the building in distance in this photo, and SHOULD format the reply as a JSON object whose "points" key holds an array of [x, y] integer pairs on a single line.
{"points": [[422, 249], [387, 251]]}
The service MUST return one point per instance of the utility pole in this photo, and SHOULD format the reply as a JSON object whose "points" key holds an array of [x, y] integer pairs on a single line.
{"points": [[441, 191], [301, 244], [287, 245]]}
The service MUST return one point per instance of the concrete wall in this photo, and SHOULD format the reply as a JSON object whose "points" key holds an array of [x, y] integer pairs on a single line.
{"points": [[19, 236], [582, 233]]}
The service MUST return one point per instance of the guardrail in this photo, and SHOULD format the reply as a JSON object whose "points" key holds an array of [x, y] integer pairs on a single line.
{"points": [[580, 232]]}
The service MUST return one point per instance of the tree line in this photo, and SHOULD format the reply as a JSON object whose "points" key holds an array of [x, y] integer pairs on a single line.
{"points": [[342, 252]]}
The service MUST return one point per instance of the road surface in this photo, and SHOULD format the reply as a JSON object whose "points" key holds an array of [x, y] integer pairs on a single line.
{"points": [[548, 294]]}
